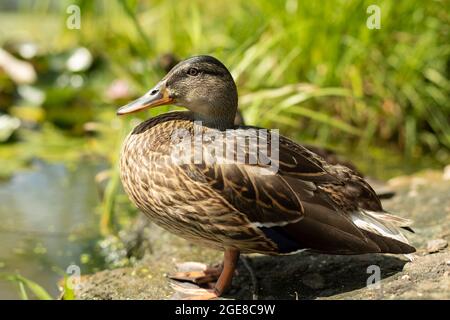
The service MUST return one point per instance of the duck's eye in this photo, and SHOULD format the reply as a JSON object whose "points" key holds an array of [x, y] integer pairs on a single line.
{"points": [[193, 71]]}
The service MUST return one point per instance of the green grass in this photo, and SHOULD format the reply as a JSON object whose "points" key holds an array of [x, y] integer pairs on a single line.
{"points": [[386, 87]]}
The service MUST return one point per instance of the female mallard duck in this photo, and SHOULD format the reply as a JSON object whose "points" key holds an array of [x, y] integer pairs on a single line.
{"points": [[242, 205]]}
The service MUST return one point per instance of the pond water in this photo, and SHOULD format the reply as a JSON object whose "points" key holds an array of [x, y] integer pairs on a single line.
{"points": [[48, 222]]}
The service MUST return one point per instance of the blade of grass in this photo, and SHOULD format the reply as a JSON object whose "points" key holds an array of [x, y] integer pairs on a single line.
{"points": [[22, 291], [25, 283]]}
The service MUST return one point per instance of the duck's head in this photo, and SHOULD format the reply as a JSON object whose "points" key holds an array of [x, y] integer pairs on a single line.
{"points": [[202, 84]]}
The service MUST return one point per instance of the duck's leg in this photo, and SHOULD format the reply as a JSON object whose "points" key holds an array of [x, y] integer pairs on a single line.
{"points": [[231, 257]]}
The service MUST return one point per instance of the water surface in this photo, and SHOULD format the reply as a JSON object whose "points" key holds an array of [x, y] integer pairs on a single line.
{"points": [[48, 221]]}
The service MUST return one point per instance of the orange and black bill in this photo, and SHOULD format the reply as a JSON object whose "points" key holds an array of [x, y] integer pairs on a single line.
{"points": [[157, 96]]}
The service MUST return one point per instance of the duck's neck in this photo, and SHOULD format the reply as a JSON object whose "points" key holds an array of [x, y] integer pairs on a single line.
{"points": [[214, 122], [222, 118]]}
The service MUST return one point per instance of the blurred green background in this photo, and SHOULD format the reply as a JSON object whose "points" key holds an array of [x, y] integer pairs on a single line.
{"points": [[313, 69]]}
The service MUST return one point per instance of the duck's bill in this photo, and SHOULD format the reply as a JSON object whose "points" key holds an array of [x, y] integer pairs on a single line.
{"points": [[158, 96]]}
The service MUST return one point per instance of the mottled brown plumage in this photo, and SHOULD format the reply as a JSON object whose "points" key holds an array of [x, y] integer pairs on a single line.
{"points": [[306, 203]]}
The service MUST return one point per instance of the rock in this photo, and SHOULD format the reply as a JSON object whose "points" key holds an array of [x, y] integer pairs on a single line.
{"points": [[426, 281], [436, 245], [304, 275], [146, 279], [314, 281]]}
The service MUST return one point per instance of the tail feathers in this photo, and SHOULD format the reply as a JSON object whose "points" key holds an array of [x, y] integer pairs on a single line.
{"points": [[380, 227], [387, 217], [395, 220], [390, 245], [408, 229], [322, 230]]}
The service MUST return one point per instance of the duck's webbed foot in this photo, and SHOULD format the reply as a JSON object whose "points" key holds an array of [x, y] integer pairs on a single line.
{"points": [[197, 273], [217, 280], [190, 291]]}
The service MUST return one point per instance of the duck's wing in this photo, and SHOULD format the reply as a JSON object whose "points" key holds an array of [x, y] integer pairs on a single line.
{"points": [[295, 197], [269, 192]]}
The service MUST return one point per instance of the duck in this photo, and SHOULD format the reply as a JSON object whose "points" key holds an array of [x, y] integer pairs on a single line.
{"points": [[243, 189]]}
